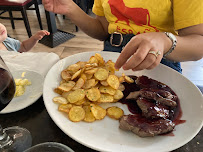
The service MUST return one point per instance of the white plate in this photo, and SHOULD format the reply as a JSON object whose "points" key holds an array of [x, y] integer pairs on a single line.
{"points": [[32, 92], [105, 135]]}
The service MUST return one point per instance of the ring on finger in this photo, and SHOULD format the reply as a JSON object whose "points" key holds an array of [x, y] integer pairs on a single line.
{"points": [[156, 54]]}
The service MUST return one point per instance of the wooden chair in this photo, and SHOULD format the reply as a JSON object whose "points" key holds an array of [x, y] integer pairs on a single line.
{"points": [[8, 6]]}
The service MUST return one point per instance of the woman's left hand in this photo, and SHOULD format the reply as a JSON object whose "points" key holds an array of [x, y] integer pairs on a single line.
{"points": [[143, 51]]}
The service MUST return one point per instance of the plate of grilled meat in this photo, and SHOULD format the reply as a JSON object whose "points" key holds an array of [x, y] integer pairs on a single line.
{"points": [[162, 109]]}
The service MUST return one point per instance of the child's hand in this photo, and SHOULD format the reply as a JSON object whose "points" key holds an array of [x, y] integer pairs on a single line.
{"points": [[40, 34]]}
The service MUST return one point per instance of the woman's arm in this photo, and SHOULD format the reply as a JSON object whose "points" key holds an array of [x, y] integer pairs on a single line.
{"points": [[94, 27], [190, 44]]}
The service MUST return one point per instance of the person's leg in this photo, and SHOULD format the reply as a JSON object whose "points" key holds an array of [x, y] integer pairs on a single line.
{"points": [[174, 65]]}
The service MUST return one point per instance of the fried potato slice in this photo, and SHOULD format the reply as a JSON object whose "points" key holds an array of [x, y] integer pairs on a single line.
{"points": [[60, 100], [118, 95], [89, 117], [93, 65], [65, 94], [107, 89], [70, 83], [100, 59], [89, 76], [114, 112], [62, 81], [80, 102], [79, 84], [113, 81], [93, 59], [128, 79], [91, 71], [93, 94], [97, 111], [76, 95], [109, 65], [87, 102], [88, 68], [83, 76], [66, 86], [89, 84], [121, 79], [76, 74], [104, 83], [97, 84], [58, 91], [65, 75], [101, 74], [73, 68], [81, 64], [76, 114], [106, 98], [65, 107]]}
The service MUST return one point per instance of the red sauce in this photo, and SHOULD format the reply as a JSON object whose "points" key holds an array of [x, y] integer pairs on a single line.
{"points": [[175, 113]]}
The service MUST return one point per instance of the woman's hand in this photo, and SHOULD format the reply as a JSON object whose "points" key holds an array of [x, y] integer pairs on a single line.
{"points": [[143, 51], [57, 6]]}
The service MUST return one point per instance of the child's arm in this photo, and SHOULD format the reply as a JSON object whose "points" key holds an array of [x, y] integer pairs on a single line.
{"points": [[32, 41]]}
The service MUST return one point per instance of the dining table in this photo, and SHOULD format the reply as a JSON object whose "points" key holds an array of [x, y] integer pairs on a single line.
{"points": [[37, 120]]}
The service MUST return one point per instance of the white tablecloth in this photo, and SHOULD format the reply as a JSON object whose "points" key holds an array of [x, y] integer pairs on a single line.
{"points": [[39, 62]]}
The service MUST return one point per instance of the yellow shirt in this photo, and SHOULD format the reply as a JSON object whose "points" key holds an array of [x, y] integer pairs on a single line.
{"points": [[141, 16]]}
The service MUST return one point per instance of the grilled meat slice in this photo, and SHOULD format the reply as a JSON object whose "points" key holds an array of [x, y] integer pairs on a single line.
{"points": [[151, 109], [144, 127], [145, 82], [161, 96]]}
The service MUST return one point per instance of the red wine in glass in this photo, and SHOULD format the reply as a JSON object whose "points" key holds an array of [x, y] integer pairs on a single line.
{"points": [[12, 139], [7, 88]]}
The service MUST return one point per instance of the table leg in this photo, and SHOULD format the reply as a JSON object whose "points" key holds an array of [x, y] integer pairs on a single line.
{"points": [[56, 36]]}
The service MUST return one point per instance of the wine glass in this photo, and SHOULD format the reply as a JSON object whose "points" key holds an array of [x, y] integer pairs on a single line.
{"points": [[12, 139], [7, 85], [49, 147]]}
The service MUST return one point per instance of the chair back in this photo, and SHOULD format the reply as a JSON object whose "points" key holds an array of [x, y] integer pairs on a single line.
{"points": [[20, 5], [14, 2]]}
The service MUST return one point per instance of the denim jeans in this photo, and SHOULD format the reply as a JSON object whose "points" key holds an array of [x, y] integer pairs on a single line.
{"points": [[174, 65]]}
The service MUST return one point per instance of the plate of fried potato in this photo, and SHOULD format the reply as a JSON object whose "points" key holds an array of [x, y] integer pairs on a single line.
{"points": [[82, 92], [29, 88]]}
